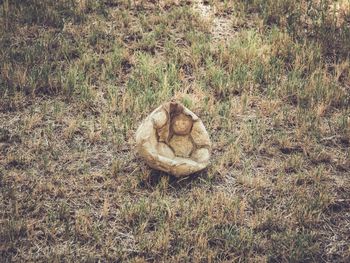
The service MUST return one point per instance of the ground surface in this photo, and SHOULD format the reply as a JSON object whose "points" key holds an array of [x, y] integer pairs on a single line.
{"points": [[271, 84]]}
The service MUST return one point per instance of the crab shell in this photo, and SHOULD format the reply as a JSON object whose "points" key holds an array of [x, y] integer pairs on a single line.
{"points": [[174, 140]]}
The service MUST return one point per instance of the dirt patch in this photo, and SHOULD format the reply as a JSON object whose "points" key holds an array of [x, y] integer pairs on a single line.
{"points": [[221, 27]]}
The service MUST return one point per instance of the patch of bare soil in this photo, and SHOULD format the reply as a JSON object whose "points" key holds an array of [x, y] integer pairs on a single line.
{"points": [[221, 27]]}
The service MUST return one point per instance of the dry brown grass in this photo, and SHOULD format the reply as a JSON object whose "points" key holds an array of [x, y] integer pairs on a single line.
{"points": [[74, 92]]}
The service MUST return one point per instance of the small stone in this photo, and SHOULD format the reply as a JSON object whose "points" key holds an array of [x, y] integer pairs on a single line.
{"points": [[182, 124], [181, 145]]}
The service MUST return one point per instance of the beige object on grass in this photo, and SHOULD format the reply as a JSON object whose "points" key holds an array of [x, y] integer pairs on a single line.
{"points": [[174, 140]]}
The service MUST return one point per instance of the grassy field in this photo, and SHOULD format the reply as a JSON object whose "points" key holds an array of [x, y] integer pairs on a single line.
{"points": [[271, 82]]}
